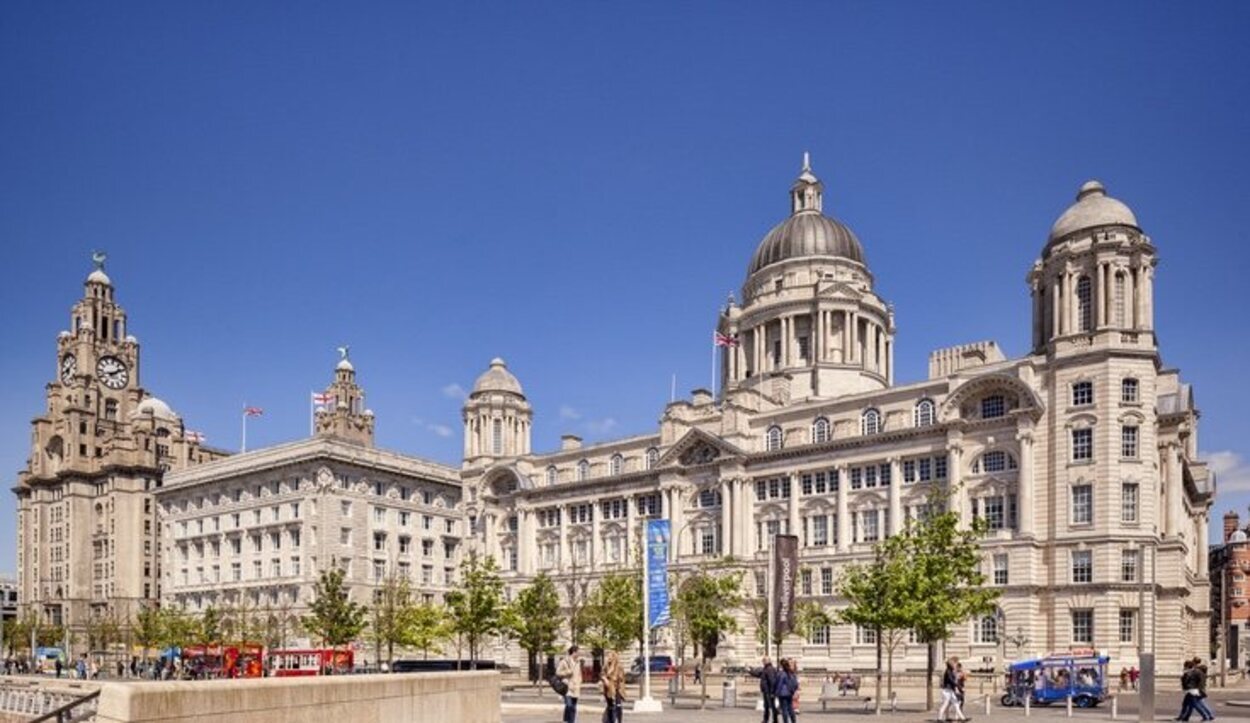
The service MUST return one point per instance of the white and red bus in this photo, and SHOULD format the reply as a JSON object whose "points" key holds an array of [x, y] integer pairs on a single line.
{"points": [[310, 661]]}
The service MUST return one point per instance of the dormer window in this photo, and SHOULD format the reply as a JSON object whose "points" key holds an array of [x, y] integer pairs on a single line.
{"points": [[551, 475], [616, 465], [924, 413], [583, 470], [772, 439], [820, 430], [653, 456], [870, 422]]}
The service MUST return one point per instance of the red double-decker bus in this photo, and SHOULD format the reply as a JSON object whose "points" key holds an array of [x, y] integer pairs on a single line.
{"points": [[310, 661]]}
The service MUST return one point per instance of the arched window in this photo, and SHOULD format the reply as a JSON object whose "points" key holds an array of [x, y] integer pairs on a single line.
{"points": [[1117, 309], [870, 422], [1084, 304], [923, 414], [583, 470], [772, 439], [653, 456], [496, 436], [110, 409], [552, 475], [986, 630], [617, 465], [820, 430]]}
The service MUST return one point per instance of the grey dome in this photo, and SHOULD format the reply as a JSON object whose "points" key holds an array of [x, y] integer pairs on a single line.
{"points": [[155, 407], [807, 234], [99, 277], [1093, 209], [498, 379]]}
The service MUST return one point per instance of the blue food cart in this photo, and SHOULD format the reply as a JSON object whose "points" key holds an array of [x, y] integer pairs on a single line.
{"points": [[1056, 677]]}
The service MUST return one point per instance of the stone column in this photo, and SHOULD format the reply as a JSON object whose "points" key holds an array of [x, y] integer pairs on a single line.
{"points": [[1101, 285], [726, 515], [677, 519], [596, 541], [844, 519], [1148, 304], [794, 503], [1056, 308], [1024, 484], [786, 337], [896, 497], [959, 493], [565, 560], [1174, 485], [525, 541], [631, 538], [1204, 551], [744, 516]]}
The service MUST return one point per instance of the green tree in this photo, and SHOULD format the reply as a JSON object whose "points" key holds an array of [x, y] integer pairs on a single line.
{"points": [[391, 615], [945, 583], [103, 631], [534, 621], [208, 627], [613, 612], [706, 602], [178, 628], [148, 628], [880, 599], [477, 605], [333, 617], [427, 628]]}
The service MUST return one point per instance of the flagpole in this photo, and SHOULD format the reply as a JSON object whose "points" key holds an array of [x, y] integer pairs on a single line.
{"points": [[672, 390], [243, 446], [770, 589], [312, 414], [713, 366]]}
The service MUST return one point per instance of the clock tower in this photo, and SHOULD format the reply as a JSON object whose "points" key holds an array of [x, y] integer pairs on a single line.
{"points": [[87, 528]]}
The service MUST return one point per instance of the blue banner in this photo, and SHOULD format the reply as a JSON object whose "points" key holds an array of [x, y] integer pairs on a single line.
{"points": [[658, 534]]}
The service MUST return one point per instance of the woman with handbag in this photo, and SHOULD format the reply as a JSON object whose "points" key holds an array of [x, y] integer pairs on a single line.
{"points": [[613, 682]]}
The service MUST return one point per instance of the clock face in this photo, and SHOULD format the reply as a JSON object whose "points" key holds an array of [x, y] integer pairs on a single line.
{"points": [[69, 367], [112, 371]]}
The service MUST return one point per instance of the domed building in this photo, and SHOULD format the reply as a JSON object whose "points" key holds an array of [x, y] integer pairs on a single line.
{"points": [[1081, 455]]}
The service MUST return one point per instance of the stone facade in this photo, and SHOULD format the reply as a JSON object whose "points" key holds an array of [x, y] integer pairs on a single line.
{"points": [[253, 532], [1081, 455], [86, 527], [1230, 601]]}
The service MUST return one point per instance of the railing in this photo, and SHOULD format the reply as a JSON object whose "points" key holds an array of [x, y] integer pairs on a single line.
{"points": [[79, 709]]}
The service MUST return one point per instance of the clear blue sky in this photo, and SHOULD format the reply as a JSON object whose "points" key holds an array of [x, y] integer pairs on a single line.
{"points": [[577, 186]]}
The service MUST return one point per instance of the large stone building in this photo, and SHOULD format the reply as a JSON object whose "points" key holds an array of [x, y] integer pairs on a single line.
{"points": [[1081, 455], [1230, 593], [253, 532], [87, 531]]}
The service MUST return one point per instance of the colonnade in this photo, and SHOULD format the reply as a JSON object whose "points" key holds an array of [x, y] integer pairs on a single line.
{"points": [[1120, 297], [837, 336]]}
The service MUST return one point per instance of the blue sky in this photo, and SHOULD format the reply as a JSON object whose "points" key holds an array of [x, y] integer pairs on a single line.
{"points": [[576, 187]]}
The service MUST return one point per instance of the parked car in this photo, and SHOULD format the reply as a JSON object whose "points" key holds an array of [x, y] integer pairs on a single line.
{"points": [[660, 664]]}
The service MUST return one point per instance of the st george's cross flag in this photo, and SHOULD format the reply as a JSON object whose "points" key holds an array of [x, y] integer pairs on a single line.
{"points": [[321, 399], [253, 411]]}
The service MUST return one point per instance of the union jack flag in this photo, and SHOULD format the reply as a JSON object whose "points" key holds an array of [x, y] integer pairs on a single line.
{"points": [[253, 411], [195, 437], [322, 398], [720, 339]]}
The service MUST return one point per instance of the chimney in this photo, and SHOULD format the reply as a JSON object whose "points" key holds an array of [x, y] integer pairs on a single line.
{"points": [[570, 441], [1231, 522]]}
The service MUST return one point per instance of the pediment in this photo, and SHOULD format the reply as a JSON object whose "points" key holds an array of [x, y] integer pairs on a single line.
{"points": [[697, 448], [840, 290]]}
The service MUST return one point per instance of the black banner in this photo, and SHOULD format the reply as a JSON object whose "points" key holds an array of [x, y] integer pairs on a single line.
{"points": [[785, 572]]}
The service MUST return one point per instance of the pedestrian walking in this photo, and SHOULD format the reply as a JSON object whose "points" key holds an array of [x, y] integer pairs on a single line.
{"points": [[81, 667], [1200, 686], [570, 671], [787, 689], [950, 692], [962, 677], [1133, 675], [59, 666], [612, 681], [698, 673], [768, 690]]}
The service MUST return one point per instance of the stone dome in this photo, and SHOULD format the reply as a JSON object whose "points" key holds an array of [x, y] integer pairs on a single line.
{"points": [[1093, 209], [808, 231], [99, 277], [497, 379], [345, 365], [1238, 536], [155, 407]]}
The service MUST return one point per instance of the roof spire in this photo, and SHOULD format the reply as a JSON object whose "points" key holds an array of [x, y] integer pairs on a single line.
{"points": [[807, 191], [807, 161]]}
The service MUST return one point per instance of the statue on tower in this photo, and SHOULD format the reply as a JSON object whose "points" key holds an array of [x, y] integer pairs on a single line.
{"points": [[344, 351], [98, 258]]}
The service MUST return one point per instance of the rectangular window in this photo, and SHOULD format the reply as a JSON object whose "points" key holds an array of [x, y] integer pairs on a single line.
{"points": [[1082, 394], [805, 483], [909, 471], [826, 581], [345, 536], [857, 478], [993, 406], [1128, 565], [379, 541], [1082, 566], [994, 514], [346, 508], [870, 476], [924, 469], [819, 635], [1082, 505], [1000, 569], [1082, 444], [865, 635], [868, 524], [1083, 626], [805, 582], [1128, 441], [1128, 625], [820, 531], [707, 541], [1128, 391], [1128, 502]]}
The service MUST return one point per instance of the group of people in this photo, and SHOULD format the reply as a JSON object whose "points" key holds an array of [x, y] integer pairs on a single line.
{"points": [[1194, 685], [611, 685], [953, 681], [1129, 678], [778, 687]]}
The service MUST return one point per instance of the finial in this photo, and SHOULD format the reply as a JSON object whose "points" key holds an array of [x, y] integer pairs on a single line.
{"points": [[98, 258], [807, 161], [343, 351]]}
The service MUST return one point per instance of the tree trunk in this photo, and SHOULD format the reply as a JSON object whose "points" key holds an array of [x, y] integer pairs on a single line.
{"points": [[928, 675], [703, 682], [877, 694], [889, 673]]}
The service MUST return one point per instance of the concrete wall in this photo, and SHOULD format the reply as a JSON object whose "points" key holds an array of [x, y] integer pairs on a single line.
{"points": [[435, 697]]}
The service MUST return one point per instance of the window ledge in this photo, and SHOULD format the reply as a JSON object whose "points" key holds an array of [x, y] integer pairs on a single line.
{"points": [[1080, 463]]}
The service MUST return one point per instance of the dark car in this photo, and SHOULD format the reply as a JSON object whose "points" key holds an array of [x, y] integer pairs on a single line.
{"points": [[659, 664]]}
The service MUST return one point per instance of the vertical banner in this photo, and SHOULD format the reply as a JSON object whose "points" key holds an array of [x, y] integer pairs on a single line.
{"points": [[658, 533], [785, 570]]}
